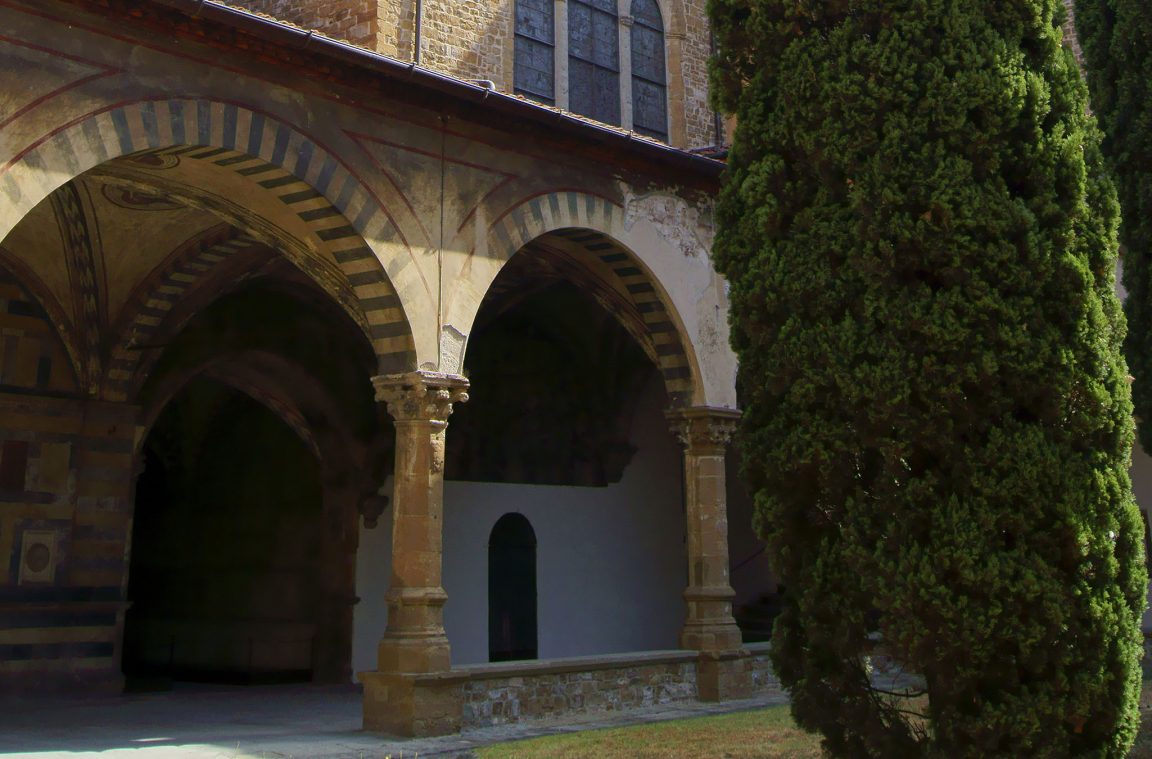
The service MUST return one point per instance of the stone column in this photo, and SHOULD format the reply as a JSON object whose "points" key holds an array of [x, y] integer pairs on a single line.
{"points": [[710, 628], [412, 694]]}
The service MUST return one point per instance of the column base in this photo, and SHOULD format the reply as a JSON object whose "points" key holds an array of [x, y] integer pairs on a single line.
{"points": [[413, 706], [724, 675]]}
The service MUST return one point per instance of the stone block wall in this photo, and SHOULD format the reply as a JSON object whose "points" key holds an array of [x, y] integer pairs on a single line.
{"points": [[501, 694], [699, 118], [473, 39], [351, 20], [764, 680], [66, 480]]}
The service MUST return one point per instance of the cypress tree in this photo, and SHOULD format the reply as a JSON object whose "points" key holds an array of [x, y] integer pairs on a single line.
{"points": [[1116, 36], [920, 243]]}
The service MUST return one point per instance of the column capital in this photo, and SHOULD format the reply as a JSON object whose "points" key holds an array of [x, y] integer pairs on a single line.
{"points": [[704, 427], [421, 395]]}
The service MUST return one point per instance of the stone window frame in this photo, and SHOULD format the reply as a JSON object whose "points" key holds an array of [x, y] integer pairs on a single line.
{"points": [[672, 15]]}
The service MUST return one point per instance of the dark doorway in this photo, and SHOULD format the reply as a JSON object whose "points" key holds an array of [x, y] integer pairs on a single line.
{"points": [[512, 590], [224, 577]]}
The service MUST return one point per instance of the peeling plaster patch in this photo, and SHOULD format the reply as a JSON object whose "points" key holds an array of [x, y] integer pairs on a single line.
{"points": [[686, 227], [452, 344]]}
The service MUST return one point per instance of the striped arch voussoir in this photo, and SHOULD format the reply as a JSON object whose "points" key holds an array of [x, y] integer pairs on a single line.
{"points": [[576, 217], [310, 181]]}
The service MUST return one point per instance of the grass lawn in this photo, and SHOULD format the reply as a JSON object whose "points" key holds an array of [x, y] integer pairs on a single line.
{"points": [[762, 734]]}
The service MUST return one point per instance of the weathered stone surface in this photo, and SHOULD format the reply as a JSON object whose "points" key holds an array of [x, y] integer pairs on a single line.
{"points": [[608, 684]]}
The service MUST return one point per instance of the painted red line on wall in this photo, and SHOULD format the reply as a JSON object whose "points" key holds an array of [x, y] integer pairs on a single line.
{"points": [[357, 105], [482, 201], [104, 71], [431, 153]]}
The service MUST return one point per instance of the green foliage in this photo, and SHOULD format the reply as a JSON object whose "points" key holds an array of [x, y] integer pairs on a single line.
{"points": [[921, 242], [1116, 37]]}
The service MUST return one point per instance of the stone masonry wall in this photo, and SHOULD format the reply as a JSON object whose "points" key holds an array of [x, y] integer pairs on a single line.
{"points": [[764, 680], [496, 695], [472, 39], [351, 20], [699, 118]]}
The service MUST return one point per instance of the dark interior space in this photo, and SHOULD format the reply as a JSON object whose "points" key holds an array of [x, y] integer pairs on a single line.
{"points": [[556, 378], [225, 563]]}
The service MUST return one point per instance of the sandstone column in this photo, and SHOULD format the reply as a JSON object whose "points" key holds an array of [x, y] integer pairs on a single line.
{"points": [[710, 628], [412, 693]]}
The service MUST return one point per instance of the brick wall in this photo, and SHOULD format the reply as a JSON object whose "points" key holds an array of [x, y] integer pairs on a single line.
{"points": [[352, 20]]}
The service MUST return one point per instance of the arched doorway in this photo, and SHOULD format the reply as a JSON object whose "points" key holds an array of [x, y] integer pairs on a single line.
{"points": [[224, 576], [512, 589]]}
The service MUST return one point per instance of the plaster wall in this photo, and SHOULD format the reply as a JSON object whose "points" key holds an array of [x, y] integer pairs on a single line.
{"points": [[611, 563]]}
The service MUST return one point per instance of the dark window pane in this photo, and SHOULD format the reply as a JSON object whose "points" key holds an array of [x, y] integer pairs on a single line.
{"points": [[606, 96], [579, 30], [594, 59], [649, 93], [647, 13], [534, 18], [649, 109], [605, 41], [579, 86], [534, 69], [647, 54]]}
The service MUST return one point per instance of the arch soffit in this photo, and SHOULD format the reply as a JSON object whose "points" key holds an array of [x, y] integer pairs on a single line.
{"points": [[282, 386], [166, 290], [309, 180], [599, 226]]}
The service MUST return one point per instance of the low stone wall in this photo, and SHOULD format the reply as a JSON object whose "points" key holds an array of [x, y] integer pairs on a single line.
{"points": [[764, 680], [496, 694]]}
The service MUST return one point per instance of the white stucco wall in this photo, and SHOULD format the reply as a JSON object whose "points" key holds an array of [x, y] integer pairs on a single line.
{"points": [[611, 562]]}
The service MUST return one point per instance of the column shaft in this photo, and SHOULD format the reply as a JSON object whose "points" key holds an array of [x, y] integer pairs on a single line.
{"points": [[704, 433], [419, 402]]}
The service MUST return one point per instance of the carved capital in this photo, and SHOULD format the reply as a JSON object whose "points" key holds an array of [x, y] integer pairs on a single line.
{"points": [[703, 429], [421, 395]]}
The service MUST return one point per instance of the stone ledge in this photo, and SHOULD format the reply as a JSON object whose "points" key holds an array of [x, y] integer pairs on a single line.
{"points": [[576, 664]]}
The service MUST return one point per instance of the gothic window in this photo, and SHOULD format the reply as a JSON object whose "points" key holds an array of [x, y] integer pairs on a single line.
{"points": [[534, 55], [649, 85], [594, 59]]}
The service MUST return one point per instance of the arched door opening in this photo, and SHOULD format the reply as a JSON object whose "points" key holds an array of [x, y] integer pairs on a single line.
{"points": [[224, 576], [512, 590]]}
